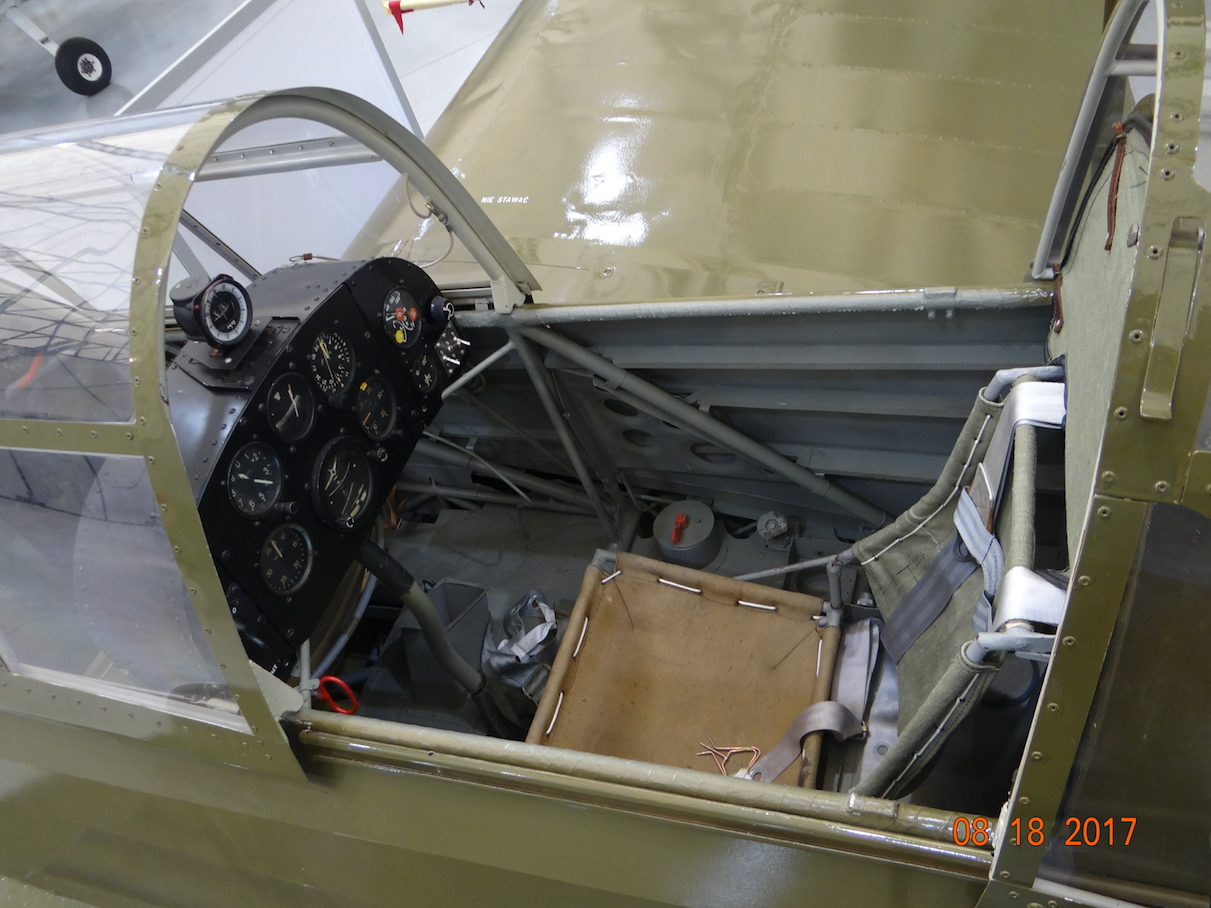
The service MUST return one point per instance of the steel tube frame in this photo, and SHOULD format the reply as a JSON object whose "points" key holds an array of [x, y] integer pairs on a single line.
{"points": [[929, 299], [1125, 14], [707, 425], [538, 375], [453, 458]]}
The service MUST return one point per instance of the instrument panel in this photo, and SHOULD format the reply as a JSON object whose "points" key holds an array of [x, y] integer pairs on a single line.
{"points": [[293, 448]]}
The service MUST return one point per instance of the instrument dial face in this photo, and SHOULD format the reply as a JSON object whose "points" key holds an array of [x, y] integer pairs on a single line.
{"points": [[254, 480], [424, 372], [286, 559], [342, 484], [332, 362], [376, 408], [290, 407], [401, 318], [225, 313]]}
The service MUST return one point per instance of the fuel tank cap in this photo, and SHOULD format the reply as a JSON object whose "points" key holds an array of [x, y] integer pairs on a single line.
{"points": [[688, 534]]}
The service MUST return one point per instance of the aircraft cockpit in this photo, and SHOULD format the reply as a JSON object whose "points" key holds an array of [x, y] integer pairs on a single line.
{"points": [[822, 563]]}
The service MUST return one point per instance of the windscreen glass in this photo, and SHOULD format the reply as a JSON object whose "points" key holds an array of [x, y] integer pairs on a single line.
{"points": [[90, 596], [71, 211]]}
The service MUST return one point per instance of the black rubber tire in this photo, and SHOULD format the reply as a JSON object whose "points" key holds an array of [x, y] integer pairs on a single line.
{"points": [[83, 66]]}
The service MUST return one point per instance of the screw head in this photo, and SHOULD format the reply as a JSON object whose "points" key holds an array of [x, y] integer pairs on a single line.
{"points": [[1004, 874], [1053, 707], [1154, 252], [1172, 148], [1036, 756], [1103, 512], [1167, 173], [1120, 412], [1109, 476], [1084, 580], [1136, 336], [1162, 487], [1069, 641], [1024, 801]]}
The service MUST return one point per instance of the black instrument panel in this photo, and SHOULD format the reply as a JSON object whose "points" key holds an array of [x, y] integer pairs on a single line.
{"points": [[293, 450]]}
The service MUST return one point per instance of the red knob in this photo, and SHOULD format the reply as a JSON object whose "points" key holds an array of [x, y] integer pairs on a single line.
{"points": [[680, 522]]}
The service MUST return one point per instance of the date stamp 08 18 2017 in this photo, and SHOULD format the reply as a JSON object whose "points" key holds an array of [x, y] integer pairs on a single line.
{"points": [[1090, 831]]}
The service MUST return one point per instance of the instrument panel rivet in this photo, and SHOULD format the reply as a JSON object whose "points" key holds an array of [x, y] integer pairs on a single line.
{"points": [[1024, 801], [1162, 487], [1053, 707], [1069, 641], [1154, 252], [1172, 148], [1004, 874], [1084, 580], [1136, 336], [1037, 756], [1103, 512], [1168, 173], [1121, 412]]}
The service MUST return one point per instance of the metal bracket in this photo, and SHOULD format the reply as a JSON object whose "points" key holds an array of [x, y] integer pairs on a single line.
{"points": [[1034, 404], [1173, 310]]}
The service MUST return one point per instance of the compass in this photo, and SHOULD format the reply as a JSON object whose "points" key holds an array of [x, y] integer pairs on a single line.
{"points": [[218, 312]]}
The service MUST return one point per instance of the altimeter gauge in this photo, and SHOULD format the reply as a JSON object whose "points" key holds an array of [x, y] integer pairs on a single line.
{"points": [[254, 480], [218, 312], [332, 362], [342, 484], [286, 559]]}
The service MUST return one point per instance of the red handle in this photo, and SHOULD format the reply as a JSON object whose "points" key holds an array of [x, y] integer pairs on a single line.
{"points": [[680, 522], [327, 697]]}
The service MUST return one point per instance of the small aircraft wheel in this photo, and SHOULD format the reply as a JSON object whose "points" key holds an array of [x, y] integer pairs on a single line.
{"points": [[83, 66]]}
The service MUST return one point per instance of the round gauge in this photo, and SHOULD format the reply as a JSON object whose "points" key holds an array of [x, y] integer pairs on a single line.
{"points": [[219, 312], [376, 408], [226, 313], [254, 480], [424, 371], [342, 484], [286, 559], [401, 317], [332, 362], [290, 408]]}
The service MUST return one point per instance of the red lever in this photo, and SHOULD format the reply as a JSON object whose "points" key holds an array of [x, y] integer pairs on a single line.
{"points": [[680, 522], [327, 697]]}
